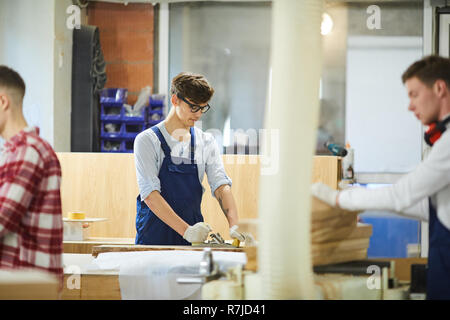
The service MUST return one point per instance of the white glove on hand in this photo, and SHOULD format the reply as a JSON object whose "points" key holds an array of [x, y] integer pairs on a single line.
{"points": [[324, 193], [243, 237], [197, 233], [236, 234]]}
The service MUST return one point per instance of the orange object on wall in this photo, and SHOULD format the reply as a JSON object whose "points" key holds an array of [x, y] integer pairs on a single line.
{"points": [[127, 39]]}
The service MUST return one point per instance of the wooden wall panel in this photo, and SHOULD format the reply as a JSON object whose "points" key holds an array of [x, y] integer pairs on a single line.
{"points": [[104, 185]]}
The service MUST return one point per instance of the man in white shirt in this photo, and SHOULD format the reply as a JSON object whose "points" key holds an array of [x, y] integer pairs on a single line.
{"points": [[425, 192], [171, 159]]}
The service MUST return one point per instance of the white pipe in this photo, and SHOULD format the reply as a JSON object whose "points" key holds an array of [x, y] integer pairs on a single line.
{"points": [[284, 252], [163, 56]]}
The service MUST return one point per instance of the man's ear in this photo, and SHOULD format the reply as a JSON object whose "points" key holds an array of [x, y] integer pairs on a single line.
{"points": [[174, 100], [4, 101], [440, 88]]}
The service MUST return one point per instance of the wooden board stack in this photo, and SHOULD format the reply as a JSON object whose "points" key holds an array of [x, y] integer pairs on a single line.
{"points": [[336, 236]]}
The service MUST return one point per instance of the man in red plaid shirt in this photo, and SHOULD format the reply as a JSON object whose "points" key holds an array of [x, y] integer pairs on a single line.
{"points": [[31, 227]]}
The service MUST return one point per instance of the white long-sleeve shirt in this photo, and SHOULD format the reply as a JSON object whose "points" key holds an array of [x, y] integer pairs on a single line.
{"points": [[409, 196], [149, 156]]}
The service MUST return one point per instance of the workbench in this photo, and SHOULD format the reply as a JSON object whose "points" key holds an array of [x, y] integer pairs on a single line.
{"points": [[104, 284], [83, 284], [86, 246]]}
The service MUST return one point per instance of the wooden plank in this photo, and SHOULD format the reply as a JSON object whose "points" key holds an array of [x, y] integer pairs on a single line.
{"points": [[328, 170], [86, 246], [322, 211], [346, 232], [349, 219], [126, 248], [338, 247], [28, 285], [341, 257], [100, 287], [94, 287], [71, 293]]}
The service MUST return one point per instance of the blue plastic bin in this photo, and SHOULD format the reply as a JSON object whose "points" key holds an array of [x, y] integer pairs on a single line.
{"points": [[111, 113], [135, 119], [156, 101], [155, 115], [129, 146], [116, 133], [113, 96], [131, 130], [112, 146]]}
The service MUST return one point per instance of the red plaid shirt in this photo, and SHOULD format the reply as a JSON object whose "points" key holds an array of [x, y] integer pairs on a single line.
{"points": [[31, 226]]}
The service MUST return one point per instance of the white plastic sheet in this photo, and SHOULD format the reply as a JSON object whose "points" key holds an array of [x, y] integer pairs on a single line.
{"points": [[152, 275]]}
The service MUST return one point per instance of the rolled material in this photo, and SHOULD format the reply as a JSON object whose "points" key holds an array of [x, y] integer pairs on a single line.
{"points": [[284, 254]]}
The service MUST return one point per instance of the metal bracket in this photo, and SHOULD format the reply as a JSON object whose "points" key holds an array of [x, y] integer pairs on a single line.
{"points": [[208, 270]]}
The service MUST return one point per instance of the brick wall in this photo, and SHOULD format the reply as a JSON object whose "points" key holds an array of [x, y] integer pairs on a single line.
{"points": [[127, 39]]}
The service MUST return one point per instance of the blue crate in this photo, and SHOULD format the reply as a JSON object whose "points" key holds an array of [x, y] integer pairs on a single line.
{"points": [[116, 134], [111, 113], [135, 119], [131, 130], [128, 146], [113, 96], [155, 116], [112, 146], [156, 101]]}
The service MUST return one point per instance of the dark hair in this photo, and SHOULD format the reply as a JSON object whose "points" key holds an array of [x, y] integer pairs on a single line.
{"points": [[428, 70], [12, 80], [192, 86]]}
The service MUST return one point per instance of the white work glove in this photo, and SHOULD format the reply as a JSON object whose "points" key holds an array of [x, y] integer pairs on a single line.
{"points": [[236, 234], [324, 193], [197, 233], [243, 237]]}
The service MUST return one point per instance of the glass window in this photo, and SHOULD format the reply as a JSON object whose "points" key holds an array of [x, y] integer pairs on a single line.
{"points": [[365, 50], [230, 44]]}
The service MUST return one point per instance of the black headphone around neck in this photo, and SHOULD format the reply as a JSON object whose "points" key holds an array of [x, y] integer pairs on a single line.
{"points": [[435, 131]]}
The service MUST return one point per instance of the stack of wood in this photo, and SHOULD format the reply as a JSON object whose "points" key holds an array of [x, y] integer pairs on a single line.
{"points": [[336, 236]]}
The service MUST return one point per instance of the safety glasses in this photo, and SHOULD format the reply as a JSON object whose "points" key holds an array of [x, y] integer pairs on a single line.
{"points": [[195, 108]]}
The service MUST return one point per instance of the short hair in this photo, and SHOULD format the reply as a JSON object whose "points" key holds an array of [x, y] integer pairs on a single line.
{"points": [[428, 70], [194, 87], [10, 79]]}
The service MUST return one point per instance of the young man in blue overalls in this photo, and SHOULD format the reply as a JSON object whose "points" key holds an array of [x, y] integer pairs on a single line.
{"points": [[425, 192], [171, 159]]}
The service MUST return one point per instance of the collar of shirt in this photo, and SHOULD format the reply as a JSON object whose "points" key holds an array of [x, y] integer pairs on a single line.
{"points": [[19, 138], [445, 118]]}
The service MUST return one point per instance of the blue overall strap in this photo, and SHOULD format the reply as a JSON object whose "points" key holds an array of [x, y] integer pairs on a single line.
{"points": [[192, 145], [164, 145]]}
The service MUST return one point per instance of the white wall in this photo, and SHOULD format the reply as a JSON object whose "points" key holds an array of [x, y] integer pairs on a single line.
{"points": [[31, 37], [386, 137]]}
